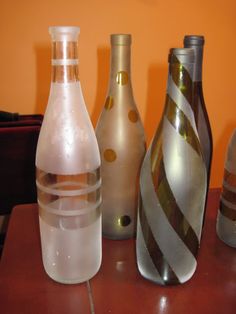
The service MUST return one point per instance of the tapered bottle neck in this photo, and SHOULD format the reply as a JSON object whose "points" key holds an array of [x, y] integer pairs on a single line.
{"points": [[64, 54], [120, 73], [196, 42], [181, 71]]}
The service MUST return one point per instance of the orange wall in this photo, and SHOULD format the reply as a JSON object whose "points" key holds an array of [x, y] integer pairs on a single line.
{"points": [[155, 26]]}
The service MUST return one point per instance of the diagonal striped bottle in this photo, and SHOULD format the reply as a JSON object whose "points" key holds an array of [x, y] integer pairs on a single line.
{"points": [[226, 219], [68, 171], [173, 184]]}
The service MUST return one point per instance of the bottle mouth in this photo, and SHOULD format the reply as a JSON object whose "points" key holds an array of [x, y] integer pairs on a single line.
{"points": [[121, 39], [193, 40], [61, 33], [183, 55]]}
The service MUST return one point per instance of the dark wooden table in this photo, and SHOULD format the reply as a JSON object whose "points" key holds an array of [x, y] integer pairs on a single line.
{"points": [[118, 287]]}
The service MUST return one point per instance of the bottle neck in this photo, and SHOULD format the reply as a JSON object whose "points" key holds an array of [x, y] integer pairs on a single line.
{"points": [[65, 62], [120, 65], [198, 50], [180, 81]]}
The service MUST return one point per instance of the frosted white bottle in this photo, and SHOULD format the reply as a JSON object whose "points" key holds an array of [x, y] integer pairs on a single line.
{"points": [[68, 171]]}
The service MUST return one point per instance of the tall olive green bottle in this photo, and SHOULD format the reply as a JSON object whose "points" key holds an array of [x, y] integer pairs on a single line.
{"points": [[121, 141]]}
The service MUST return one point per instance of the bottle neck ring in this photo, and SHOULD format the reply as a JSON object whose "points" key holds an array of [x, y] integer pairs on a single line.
{"points": [[64, 61]]}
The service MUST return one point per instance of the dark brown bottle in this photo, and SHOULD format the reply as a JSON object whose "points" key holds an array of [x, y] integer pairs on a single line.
{"points": [[201, 117]]}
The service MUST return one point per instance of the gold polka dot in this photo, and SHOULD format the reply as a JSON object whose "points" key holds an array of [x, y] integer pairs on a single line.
{"points": [[122, 78], [133, 116], [124, 221], [109, 155], [109, 103]]}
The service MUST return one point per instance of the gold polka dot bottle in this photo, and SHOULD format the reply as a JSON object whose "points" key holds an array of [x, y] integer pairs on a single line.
{"points": [[173, 184], [226, 219], [121, 140], [68, 171]]}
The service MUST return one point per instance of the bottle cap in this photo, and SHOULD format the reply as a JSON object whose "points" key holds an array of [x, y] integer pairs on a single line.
{"points": [[193, 40], [60, 33], [184, 55], [121, 39]]}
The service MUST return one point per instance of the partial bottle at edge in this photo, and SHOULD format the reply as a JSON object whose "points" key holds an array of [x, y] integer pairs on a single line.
{"points": [[121, 140], [173, 184], [68, 171], [226, 219]]}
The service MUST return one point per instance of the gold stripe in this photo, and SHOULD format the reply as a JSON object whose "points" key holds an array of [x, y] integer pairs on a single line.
{"points": [[227, 211], [166, 272], [171, 208], [181, 124], [182, 80]]}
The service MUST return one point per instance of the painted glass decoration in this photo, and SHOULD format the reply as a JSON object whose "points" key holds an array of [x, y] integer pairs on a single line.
{"points": [[121, 140], [173, 184], [68, 171]]}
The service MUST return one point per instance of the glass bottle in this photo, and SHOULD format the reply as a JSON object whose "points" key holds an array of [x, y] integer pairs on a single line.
{"points": [[226, 219], [68, 171], [121, 141], [202, 121], [172, 184]]}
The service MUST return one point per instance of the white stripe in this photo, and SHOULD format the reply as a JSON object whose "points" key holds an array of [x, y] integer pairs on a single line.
{"points": [[51, 190], [181, 102], [177, 255], [65, 61], [186, 175], [228, 204], [86, 210], [229, 187], [145, 263]]}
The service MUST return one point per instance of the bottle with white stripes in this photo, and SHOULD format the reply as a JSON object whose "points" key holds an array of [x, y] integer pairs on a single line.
{"points": [[68, 171], [226, 218], [173, 184]]}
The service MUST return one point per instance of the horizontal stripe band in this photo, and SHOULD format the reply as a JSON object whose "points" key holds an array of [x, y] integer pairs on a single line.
{"points": [[57, 189], [56, 62], [226, 211], [83, 211]]}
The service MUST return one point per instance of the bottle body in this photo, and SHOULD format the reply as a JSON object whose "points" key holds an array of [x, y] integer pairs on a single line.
{"points": [[121, 140], [200, 111], [68, 172], [226, 218], [172, 185]]}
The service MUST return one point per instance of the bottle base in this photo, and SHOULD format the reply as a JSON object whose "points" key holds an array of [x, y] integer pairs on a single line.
{"points": [[71, 281]]}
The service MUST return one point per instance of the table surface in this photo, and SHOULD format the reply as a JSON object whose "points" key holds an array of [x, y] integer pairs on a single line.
{"points": [[118, 287]]}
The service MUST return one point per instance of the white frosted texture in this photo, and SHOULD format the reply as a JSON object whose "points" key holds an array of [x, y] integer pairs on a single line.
{"points": [[67, 142], [71, 255]]}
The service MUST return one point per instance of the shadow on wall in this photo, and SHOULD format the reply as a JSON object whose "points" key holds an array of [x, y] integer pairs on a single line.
{"points": [[156, 91], [43, 76], [219, 153], [103, 72]]}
